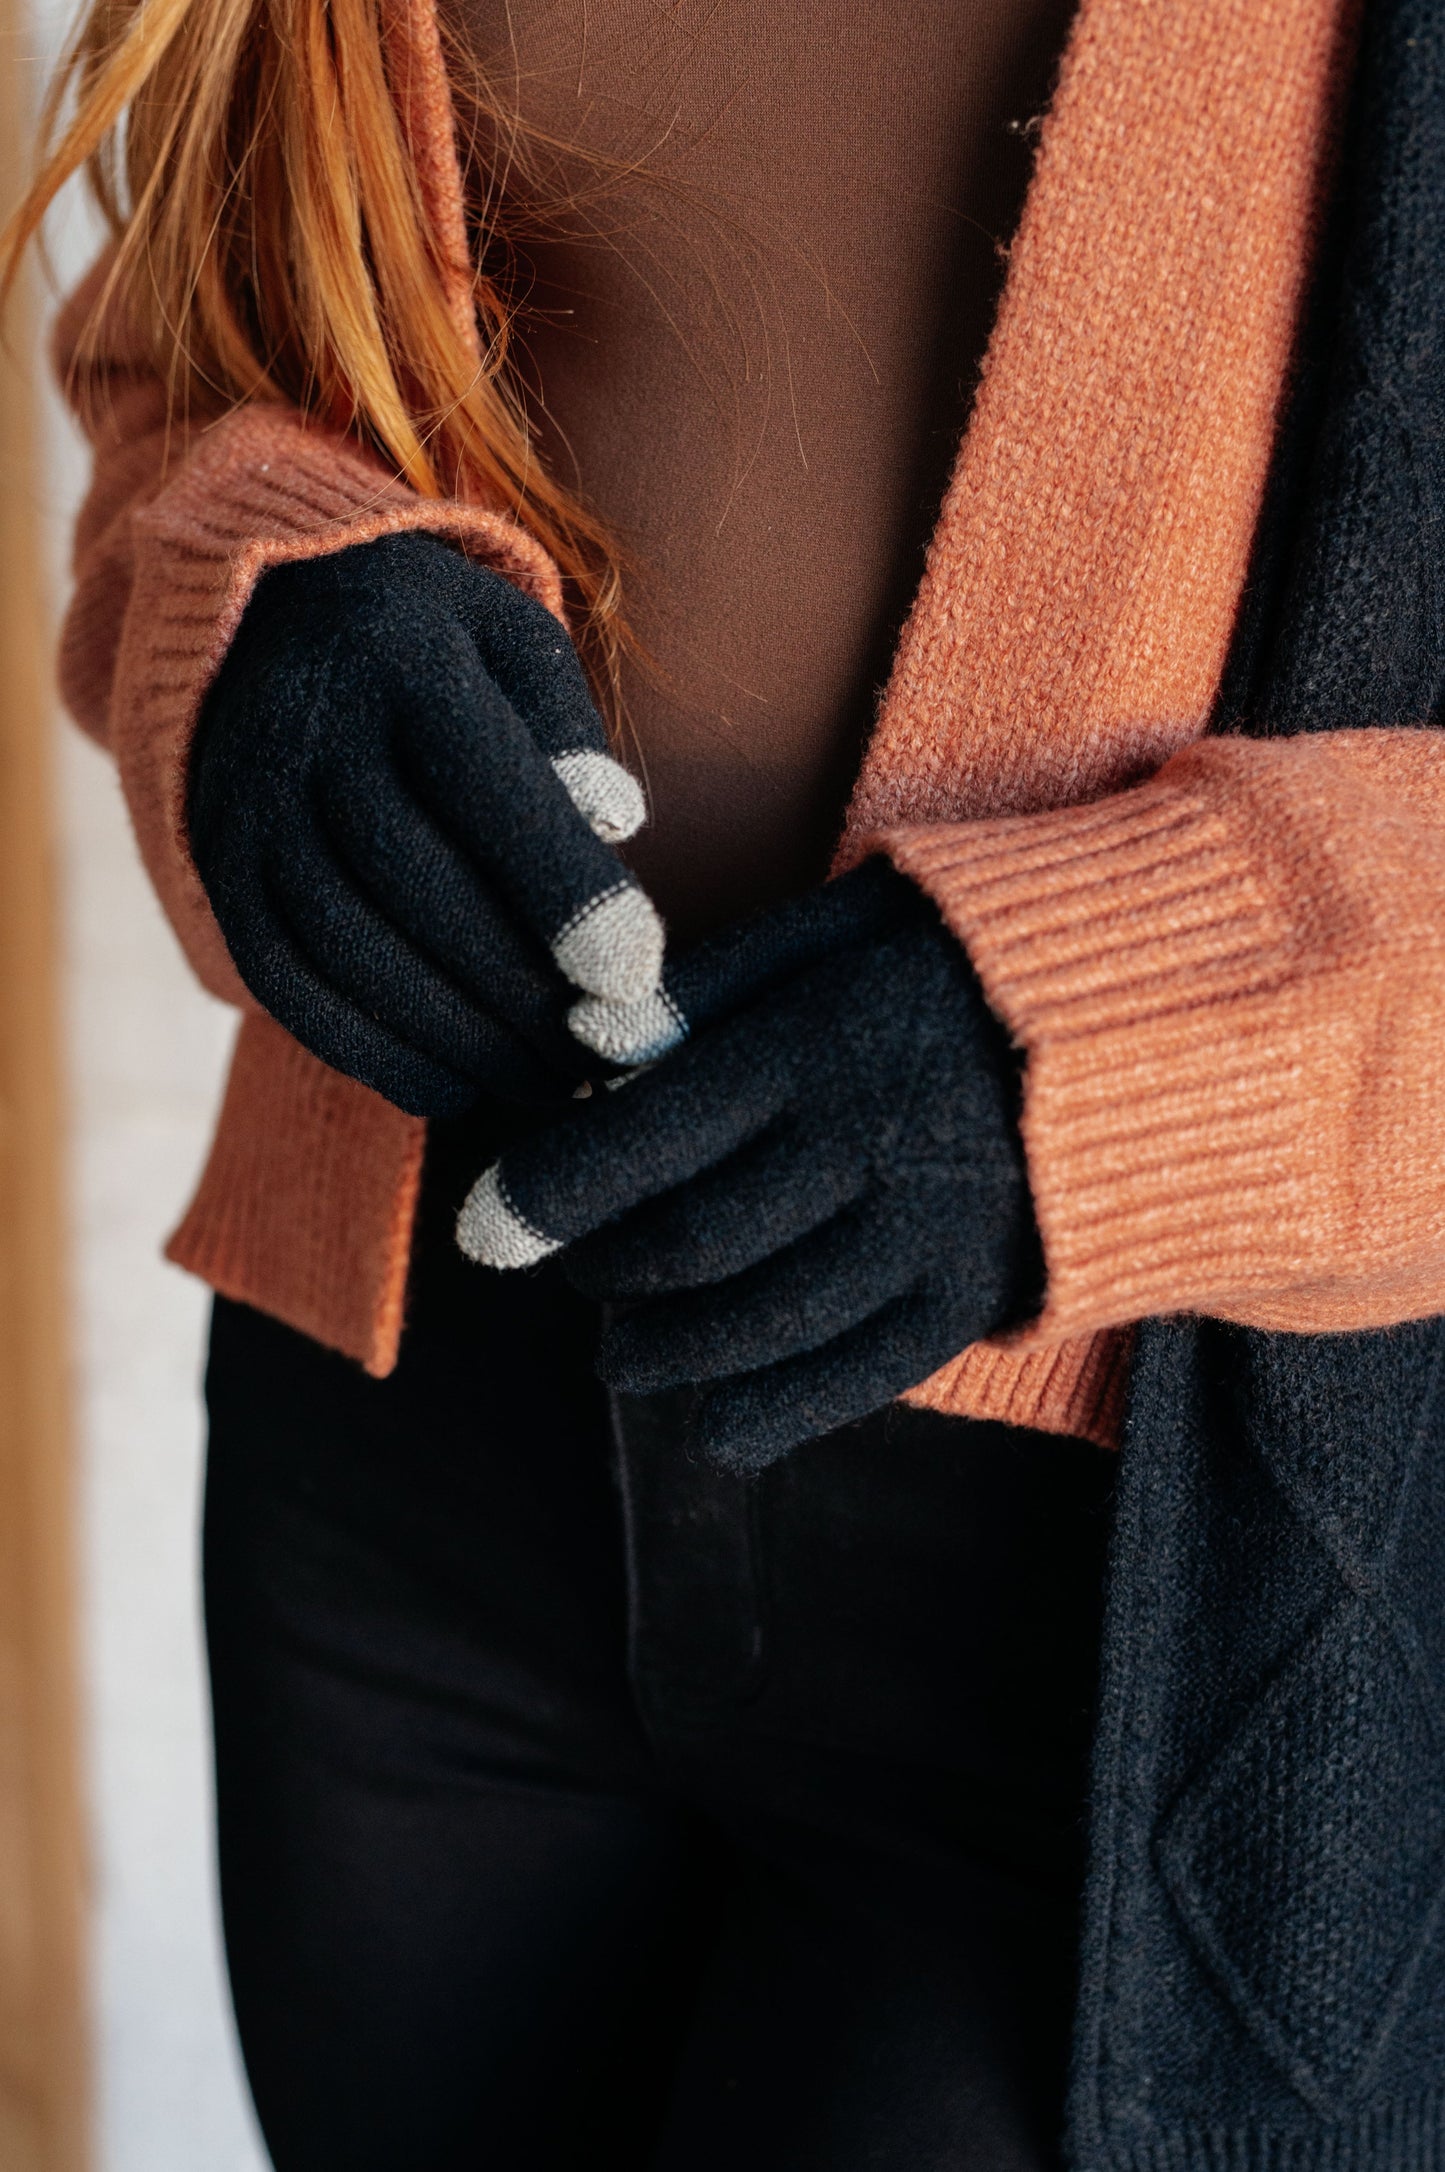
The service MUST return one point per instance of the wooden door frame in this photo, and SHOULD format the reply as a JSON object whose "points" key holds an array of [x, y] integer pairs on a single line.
{"points": [[44, 2067]]}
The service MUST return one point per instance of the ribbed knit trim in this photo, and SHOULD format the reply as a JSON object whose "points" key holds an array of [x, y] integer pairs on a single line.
{"points": [[308, 1199], [1389, 2138], [1195, 972], [1158, 1130], [1084, 577], [307, 1202], [1072, 1387], [259, 489]]}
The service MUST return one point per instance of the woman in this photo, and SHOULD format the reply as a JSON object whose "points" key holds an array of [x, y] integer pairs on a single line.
{"points": [[697, 1776]]}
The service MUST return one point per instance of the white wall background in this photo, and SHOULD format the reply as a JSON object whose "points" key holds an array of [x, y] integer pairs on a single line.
{"points": [[147, 1052]]}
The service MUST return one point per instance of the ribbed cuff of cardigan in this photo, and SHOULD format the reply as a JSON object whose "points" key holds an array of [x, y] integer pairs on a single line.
{"points": [[258, 489], [1075, 1387], [1197, 972], [308, 1199]]}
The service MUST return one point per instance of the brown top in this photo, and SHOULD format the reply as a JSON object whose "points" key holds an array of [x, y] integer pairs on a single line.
{"points": [[757, 354]]}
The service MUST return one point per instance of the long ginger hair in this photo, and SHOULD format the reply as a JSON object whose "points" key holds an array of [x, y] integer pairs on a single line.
{"points": [[272, 243]]}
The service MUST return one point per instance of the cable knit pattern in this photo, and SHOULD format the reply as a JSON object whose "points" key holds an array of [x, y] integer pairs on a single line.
{"points": [[1262, 1973]]}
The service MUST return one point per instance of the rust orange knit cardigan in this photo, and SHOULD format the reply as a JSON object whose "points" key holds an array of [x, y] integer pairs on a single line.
{"points": [[1222, 956]]}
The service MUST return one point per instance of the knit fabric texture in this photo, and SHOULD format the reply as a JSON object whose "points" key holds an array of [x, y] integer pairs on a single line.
{"points": [[812, 1202], [1263, 1973], [1085, 575], [1263, 1977], [306, 1204], [380, 811], [1070, 631]]}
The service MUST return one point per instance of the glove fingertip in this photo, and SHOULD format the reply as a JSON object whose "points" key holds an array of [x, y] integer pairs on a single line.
{"points": [[628, 1033], [608, 797], [728, 1432], [491, 1232], [613, 945], [623, 1362]]}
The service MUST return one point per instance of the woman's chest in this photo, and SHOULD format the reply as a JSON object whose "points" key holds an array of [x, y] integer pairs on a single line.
{"points": [[759, 252]]}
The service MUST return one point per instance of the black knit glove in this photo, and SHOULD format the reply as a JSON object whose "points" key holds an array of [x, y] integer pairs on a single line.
{"points": [[813, 1203], [403, 810]]}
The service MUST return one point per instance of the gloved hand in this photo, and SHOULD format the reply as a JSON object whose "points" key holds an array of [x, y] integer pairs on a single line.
{"points": [[403, 811], [813, 1203]]}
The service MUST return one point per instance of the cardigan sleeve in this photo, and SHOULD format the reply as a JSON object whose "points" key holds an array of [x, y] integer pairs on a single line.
{"points": [[176, 530], [1229, 983]]}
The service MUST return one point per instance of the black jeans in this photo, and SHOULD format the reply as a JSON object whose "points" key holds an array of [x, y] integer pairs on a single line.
{"points": [[582, 1807]]}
